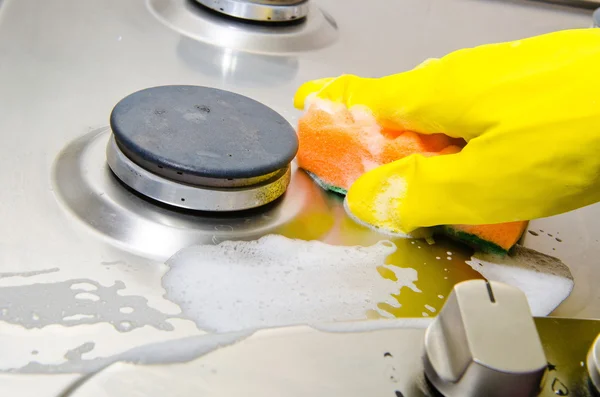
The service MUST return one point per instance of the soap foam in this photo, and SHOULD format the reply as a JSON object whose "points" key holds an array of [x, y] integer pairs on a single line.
{"points": [[545, 280], [369, 131], [386, 201], [276, 281], [418, 233]]}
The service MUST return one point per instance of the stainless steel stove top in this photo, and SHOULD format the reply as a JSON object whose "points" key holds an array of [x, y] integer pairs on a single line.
{"points": [[82, 257]]}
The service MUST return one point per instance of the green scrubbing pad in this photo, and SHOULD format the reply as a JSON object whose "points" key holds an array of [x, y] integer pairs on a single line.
{"points": [[471, 240], [327, 186], [458, 235]]}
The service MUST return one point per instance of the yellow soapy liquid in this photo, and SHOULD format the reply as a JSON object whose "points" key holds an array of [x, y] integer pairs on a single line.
{"points": [[439, 266], [437, 275]]}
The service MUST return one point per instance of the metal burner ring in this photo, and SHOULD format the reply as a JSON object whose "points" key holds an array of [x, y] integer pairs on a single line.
{"points": [[194, 197], [260, 10]]}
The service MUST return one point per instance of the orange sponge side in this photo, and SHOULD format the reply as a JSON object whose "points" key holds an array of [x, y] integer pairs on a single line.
{"points": [[338, 145], [504, 235], [330, 147]]}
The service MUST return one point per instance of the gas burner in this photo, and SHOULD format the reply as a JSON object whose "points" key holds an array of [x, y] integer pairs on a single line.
{"points": [[201, 148], [207, 24], [260, 10]]}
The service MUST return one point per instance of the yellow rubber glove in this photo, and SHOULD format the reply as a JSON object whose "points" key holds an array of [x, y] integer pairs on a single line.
{"points": [[529, 110]]}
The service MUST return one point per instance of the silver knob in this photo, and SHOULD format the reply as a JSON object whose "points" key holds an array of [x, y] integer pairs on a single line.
{"points": [[593, 363], [484, 343]]}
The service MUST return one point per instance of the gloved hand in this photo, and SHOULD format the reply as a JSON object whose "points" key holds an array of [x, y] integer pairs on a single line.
{"points": [[529, 111]]}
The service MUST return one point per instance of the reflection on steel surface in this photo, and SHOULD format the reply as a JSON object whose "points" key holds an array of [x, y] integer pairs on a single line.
{"points": [[237, 67]]}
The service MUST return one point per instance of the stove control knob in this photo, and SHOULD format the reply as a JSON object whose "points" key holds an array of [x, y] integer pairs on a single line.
{"points": [[593, 364], [484, 343]]}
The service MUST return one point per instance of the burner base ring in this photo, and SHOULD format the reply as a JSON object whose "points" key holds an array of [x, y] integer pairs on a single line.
{"points": [[200, 198], [259, 11]]}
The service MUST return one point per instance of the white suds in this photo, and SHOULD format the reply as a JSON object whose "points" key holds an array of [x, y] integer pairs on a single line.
{"points": [[545, 280], [277, 281], [386, 199], [417, 234], [368, 165], [370, 131]]}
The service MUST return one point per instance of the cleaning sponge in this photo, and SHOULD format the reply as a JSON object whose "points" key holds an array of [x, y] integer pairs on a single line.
{"points": [[337, 145]]}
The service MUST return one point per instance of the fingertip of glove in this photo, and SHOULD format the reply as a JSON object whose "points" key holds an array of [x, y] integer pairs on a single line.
{"points": [[308, 88], [374, 199]]}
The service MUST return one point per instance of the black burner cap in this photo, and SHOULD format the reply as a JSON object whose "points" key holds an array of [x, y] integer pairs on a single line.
{"points": [[203, 132]]}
